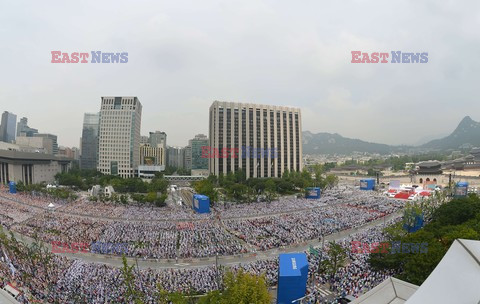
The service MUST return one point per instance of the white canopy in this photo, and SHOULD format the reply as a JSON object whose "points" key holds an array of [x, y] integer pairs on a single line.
{"points": [[51, 205], [456, 279], [390, 291]]}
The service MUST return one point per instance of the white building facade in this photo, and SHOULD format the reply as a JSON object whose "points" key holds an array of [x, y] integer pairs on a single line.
{"points": [[119, 136], [262, 140]]}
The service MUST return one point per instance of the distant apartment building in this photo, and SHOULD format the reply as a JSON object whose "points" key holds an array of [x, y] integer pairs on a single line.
{"points": [[153, 156], [187, 158], [176, 157], [199, 164], [89, 141], [8, 126], [268, 139], [152, 160], [119, 136], [68, 152], [23, 129]]}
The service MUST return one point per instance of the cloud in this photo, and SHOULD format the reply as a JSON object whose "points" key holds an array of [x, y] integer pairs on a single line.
{"points": [[183, 55]]}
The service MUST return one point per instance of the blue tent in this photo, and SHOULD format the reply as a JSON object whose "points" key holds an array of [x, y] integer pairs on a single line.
{"points": [[461, 189], [201, 203], [312, 192], [13, 187], [292, 277], [367, 184]]}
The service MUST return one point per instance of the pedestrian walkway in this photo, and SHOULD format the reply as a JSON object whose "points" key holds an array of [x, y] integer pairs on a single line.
{"points": [[325, 292]]}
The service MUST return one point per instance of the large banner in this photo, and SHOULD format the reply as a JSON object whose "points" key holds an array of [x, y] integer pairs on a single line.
{"points": [[394, 184], [461, 191], [149, 160]]}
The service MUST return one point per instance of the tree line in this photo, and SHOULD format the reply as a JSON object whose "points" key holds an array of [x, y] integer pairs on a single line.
{"points": [[234, 187], [126, 189], [456, 219]]}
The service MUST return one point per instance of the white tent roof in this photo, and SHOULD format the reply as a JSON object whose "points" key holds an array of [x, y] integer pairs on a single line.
{"points": [[51, 205], [6, 298], [390, 291], [456, 279]]}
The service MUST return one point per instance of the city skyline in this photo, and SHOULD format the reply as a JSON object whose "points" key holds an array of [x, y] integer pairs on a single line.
{"points": [[180, 143], [180, 60]]}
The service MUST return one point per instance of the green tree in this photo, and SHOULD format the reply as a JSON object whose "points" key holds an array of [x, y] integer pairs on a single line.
{"points": [[331, 181], [206, 187], [270, 191], [213, 297], [158, 185], [336, 258], [131, 292], [244, 288], [456, 213], [165, 297], [459, 218], [160, 200], [151, 197]]}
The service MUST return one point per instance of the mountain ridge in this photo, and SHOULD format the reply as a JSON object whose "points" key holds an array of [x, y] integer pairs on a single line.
{"points": [[467, 132]]}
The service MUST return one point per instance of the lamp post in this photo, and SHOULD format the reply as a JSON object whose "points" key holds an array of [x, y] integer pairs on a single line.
{"points": [[323, 246], [216, 270]]}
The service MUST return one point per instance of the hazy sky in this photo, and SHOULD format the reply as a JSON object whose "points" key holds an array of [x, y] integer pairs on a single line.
{"points": [[182, 55]]}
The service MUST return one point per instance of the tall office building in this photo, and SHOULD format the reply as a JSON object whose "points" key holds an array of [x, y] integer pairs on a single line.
{"points": [[21, 125], [119, 136], [144, 140], [176, 156], [23, 129], [89, 141], [268, 139], [7, 127], [187, 158], [152, 160], [158, 138], [152, 156], [196, 144]]}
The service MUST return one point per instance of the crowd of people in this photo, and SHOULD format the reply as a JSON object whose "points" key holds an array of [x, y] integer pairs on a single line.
{"points": [[356, 277], [283, 230], [226, 234], [234, 230]]}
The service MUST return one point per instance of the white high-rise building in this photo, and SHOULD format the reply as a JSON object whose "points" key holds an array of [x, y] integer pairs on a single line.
{"points": [[261, 140], [119, 136]]}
